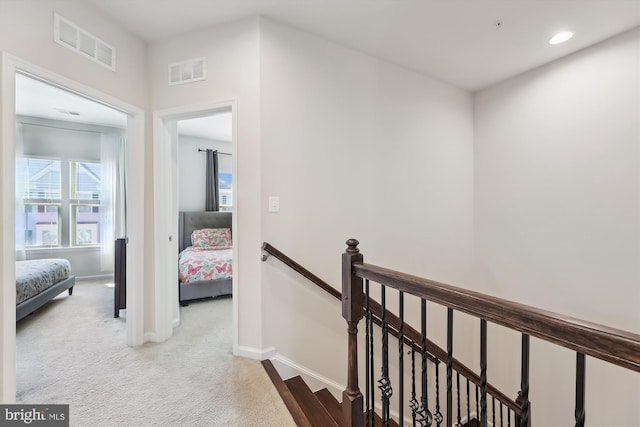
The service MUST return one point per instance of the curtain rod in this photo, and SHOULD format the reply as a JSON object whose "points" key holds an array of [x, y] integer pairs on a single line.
{"points": [[219, 152]]}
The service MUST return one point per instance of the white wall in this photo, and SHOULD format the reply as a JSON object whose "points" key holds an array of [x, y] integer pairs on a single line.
{"points": [[232, 55], [557, 196], [192, 169], [26, 30], [356, 147]]}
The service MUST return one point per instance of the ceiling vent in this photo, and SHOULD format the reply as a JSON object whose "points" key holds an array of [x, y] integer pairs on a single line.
{"points": [[192, 70], [83, 42]]}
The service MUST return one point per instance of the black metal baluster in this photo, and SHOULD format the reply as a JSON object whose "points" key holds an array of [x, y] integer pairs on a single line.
{"points": [[372, 374], [580, 378], [501, 415], [477, 409], [401, 359], [468, 403], [438, 415], [459, 423], [366, 352], [483, 373], [449, 366], [524, 383], [414, 402], [508, 417], [385, 383], [425, 416], [493, 411]]}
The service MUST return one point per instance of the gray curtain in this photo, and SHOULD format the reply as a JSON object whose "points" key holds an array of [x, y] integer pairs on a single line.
{"points": [[212, 202]]}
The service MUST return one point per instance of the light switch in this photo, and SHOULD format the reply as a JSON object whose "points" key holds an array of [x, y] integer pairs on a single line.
{"points": [[274, 204]]}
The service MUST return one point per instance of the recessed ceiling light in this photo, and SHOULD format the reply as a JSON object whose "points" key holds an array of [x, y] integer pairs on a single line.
{"points": [[561, 37]]}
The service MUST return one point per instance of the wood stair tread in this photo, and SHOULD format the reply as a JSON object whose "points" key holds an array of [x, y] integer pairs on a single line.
{"points": [[297, 413], [309, 409], [331, 404], [317, 414]]}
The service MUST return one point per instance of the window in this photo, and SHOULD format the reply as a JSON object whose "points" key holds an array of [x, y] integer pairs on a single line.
{"points": [[85, 220], [85, 182], [225, 191], [42, 201], [56, 214], [85, 203]]}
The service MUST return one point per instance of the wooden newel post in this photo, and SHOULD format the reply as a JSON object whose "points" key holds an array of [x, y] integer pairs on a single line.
{"points": [[352, 311]]}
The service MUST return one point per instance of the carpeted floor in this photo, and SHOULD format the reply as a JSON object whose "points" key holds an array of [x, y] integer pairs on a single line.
{"points": [[72, 351]]}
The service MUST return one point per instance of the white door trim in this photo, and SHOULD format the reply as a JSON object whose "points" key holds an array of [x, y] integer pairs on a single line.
{"points": [[166, 291], [135, 211]]}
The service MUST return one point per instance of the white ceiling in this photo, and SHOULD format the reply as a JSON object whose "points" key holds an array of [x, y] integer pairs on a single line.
{"points": [[215, 126], [456, 41], [38, 99], [452, 40]]}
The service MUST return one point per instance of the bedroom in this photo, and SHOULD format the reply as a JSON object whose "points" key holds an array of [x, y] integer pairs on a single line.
{"points": [[69, 189], [204, 155]]}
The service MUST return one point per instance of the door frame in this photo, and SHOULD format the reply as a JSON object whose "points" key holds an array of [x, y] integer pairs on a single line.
{"points": [[9, 65], [166, 213]]}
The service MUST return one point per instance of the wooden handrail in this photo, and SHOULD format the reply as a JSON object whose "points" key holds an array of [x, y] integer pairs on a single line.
{"points": [[615, 346], [301, 270], [411, 336]]}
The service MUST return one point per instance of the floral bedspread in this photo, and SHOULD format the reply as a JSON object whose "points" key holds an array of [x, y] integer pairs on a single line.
{"points": [[34, 276], [204, 264]]}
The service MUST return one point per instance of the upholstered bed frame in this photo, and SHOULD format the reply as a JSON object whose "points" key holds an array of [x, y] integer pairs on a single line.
{"points": [[32, 304], [189, 221]]}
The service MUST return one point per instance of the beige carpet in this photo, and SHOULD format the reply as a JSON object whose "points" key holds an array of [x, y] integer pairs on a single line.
{"points": [[72, 351]]}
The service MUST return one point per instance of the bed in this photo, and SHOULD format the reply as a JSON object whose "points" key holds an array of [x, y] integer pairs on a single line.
{"points": [[204, 263], [40, 281]]}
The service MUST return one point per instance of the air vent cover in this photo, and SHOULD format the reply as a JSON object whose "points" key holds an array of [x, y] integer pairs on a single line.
{"points": [[69, 35], [191, 70]]}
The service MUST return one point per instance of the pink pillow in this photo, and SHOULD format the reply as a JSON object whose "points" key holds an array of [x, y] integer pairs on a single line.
{"points": [[212, 238]]}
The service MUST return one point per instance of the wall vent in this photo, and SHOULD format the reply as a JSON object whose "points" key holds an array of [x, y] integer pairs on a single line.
{"points": [[69, 35], [191, 70]]}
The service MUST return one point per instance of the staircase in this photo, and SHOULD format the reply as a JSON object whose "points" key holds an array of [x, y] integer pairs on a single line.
{"points": [[308, 408], [468, 400]]}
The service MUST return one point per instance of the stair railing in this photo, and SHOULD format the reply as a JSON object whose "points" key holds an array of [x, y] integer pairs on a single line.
{"points": [[411, 341], [614, 346]]}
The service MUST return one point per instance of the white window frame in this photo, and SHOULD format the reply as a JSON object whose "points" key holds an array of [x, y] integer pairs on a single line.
{"points": [[66, 205]]}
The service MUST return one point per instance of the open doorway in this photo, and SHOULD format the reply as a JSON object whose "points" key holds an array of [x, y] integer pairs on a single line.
{"points": [[12, 67], [181, 139], [69, 209], [205, 206]]}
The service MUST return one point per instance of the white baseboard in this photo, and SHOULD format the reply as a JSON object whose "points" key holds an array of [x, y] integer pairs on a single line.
{"points": [[256, 353], [287, 368]]}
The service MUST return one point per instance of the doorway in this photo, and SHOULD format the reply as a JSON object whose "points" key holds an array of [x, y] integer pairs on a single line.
{"points": [[170, 198], [134, 153]]}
